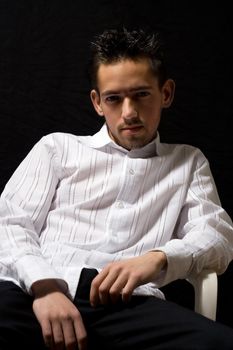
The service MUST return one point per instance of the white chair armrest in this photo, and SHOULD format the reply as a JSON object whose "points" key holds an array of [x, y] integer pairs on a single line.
{"points": [[206, 291]]}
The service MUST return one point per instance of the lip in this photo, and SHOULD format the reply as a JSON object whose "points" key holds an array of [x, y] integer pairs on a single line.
{"points": [[132, 129]]}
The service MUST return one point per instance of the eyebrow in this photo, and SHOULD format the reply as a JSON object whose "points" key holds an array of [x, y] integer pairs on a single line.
{"points": [[116, 92]]}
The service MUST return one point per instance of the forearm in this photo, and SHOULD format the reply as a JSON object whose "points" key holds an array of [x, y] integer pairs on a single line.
{"points": [[24, 205], [203, 236], [202, 248]]}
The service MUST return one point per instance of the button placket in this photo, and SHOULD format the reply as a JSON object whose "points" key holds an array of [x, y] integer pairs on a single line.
{"points": [[121, 212]]}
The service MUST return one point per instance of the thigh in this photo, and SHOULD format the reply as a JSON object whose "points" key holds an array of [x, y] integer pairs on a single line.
{"points": [[18, 324], [147, 323]]}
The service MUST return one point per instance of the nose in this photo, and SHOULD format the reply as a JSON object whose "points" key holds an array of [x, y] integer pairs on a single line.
{"points": [[129, 110]]}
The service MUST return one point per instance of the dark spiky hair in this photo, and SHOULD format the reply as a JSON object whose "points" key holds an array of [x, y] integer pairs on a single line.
{"points": [[116, 45]]}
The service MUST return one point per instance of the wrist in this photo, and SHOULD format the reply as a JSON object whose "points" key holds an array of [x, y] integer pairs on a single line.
{"points": [[45, 286], [161, 258]]}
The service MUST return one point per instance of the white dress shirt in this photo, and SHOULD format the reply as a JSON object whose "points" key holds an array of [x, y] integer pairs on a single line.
{"points": [[84, 201]]}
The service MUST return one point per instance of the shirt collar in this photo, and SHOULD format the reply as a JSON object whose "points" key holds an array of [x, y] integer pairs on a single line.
{"points": [[102, 139]]}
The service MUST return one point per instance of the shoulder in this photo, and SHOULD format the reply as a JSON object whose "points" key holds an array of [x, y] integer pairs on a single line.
{"points": [[62, 140], [64, 148], [182, 151], [58, 137]]}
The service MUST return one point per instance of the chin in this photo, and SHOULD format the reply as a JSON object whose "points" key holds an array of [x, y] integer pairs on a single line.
{"points": [[136, 144]]}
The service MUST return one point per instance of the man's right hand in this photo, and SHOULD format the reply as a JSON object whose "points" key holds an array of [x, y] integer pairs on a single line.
{"points": [[61, 322]]}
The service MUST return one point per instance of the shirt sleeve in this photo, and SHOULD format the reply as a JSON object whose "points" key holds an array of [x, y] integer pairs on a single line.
{"points": [[203, 237], [24, 205]]}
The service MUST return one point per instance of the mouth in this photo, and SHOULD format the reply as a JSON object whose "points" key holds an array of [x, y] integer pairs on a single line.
{"points": [[132, 129]]}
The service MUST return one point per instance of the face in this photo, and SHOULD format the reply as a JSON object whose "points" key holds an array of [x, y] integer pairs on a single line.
{"points": [[131, 101]]}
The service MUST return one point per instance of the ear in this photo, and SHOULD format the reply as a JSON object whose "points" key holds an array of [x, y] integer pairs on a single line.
{"points": [[95, 98], [168, 91]]}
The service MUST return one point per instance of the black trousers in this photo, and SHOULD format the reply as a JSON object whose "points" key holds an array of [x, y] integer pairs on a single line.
{"points": [[145, 323]]}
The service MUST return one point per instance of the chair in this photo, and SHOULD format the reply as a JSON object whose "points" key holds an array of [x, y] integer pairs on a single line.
{"points": [[205, 286]]}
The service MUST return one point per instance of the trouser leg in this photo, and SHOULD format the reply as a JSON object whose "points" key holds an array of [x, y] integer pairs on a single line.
{"points": [[19, 328], [145, 323], [148, 323]]}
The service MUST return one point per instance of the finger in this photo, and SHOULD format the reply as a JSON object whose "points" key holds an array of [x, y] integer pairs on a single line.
{"points": [[58, 337], [128, 289], [47, 334], [108, 290], [94, 290], [117, 287], [111, 286], [81, 334], [69, 335]]}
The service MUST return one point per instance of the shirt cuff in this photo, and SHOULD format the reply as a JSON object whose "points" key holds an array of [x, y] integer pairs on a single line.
{"points": [[179, 262], [32, 268]]}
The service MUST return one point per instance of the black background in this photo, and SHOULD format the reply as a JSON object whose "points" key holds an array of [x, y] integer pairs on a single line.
{"points": [[44, 88]]}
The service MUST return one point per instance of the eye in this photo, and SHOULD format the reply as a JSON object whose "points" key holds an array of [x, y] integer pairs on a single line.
{"points": [[112, 98], [141, 94]]}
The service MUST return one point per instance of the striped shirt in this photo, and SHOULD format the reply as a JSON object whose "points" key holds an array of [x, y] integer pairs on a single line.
{"points": [[84, 201]]}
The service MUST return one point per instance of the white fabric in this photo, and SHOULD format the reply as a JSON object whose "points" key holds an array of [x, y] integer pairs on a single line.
{"points": [[80, 201]]}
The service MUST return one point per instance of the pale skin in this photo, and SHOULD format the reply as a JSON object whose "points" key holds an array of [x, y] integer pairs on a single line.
{"points": [[131, 101]]}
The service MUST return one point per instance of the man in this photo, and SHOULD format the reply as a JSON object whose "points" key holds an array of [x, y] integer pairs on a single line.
{"points": [[92, 226]]}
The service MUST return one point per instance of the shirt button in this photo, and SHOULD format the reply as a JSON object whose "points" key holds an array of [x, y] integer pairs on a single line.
{"points": [[131, 171], [120, 205]]}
